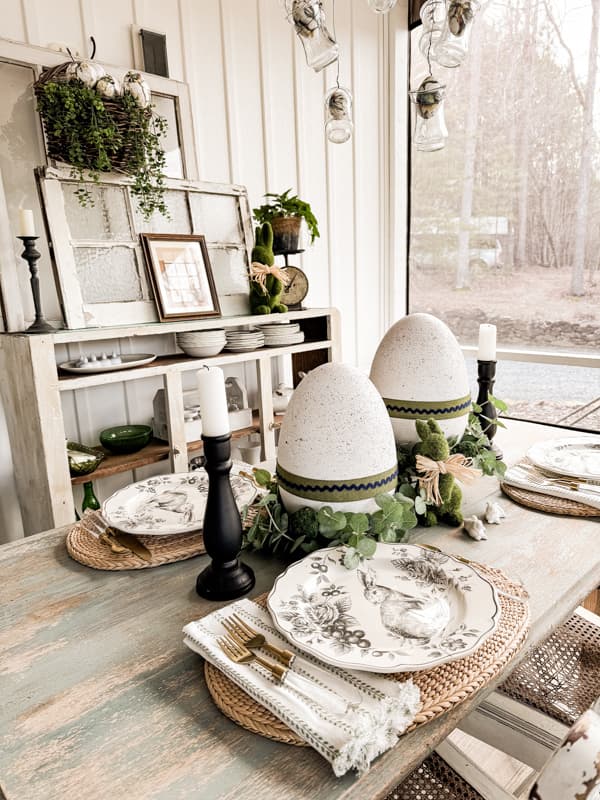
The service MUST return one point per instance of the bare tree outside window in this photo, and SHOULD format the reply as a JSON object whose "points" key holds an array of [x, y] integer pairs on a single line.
{"points": [[505, 221]]}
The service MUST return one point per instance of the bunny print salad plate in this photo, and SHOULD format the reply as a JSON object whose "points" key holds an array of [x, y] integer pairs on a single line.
{"points": [[171, 504], [405, 609]]}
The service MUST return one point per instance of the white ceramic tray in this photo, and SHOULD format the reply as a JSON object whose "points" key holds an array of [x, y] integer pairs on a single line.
{"points": [[405, 609], [127, 361]]}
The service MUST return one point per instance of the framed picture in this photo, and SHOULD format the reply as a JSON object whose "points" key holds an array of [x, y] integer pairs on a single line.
{"points": [[181, 276]]}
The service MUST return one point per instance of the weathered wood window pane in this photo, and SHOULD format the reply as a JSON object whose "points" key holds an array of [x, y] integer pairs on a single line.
{"points": [[111, 274], [107, 220], [176, 202], [230, 270], [166, 107], [217, 217]]}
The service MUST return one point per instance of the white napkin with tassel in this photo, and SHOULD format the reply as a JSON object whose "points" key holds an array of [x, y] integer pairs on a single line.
{"points": [[349, 717], [520, 476]]}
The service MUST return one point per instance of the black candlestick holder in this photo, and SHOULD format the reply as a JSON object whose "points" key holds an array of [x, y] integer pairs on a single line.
{"points": [[32, 256], [226, 577], [486, 375]]}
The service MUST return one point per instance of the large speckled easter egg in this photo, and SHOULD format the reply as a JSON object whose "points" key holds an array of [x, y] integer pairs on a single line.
{"points": [[420, 372], [336, 443]]}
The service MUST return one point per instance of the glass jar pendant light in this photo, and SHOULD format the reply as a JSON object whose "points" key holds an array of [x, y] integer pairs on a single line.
{"points": [[430, 131], [308, 19], [453, 43], [381, 6], [338, 115]]}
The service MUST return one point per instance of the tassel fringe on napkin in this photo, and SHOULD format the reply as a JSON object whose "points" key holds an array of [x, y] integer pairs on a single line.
{"points": [[349, 717]]}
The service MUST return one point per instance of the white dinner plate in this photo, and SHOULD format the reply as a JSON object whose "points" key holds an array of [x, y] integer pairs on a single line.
{"points": [[170, 504], [127, 361], [575, 457], [407, 608]]}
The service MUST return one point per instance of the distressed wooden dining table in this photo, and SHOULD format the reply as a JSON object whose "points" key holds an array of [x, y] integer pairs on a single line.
{"points": [[99, 698]]}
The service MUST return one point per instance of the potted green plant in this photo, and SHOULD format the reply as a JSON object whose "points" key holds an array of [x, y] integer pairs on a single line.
{"points": [[286, 213]]}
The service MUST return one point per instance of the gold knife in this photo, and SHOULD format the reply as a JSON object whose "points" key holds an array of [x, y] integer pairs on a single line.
{"points": [[127, 542]]}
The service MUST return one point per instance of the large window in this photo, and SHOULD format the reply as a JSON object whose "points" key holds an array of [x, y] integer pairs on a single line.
{"points": [[505, 220]]}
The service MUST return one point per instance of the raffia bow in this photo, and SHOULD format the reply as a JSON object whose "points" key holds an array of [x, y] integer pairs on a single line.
{"points": [[259, 272], [457, 465]]}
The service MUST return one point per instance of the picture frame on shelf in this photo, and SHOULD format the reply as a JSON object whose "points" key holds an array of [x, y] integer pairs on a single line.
{"points": [[181, 276]]}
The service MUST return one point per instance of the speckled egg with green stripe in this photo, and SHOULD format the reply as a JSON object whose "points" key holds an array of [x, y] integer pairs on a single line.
{"points": [[336, 444], [420, 372]]}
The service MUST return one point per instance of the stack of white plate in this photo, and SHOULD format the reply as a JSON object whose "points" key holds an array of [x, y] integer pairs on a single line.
{"points": [[202, 343], [281, 334], [240, 341]]}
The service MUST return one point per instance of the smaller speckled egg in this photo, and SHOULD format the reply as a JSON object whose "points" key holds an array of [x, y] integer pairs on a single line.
{"points": [[336, 443], [420, 372]]}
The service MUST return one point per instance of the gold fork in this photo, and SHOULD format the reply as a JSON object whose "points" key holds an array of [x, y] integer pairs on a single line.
{"points": [[542, 479], [236, 651], [252, 638], [329, 700]]}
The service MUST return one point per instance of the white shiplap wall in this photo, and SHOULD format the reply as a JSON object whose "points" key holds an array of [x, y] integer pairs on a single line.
{"points": [[258, 120]]}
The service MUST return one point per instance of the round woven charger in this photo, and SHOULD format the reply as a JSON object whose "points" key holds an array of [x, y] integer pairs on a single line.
{"points": [[441, 688], [92, 552], [545, 502]]}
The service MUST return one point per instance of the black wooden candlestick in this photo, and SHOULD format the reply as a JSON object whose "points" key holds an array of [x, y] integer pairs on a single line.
{"points": [[226, 577], [31, 255], [486, 374]]}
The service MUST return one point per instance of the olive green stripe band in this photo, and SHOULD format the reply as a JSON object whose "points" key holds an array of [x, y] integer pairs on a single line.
{"points": [[423, 409], [343, 491]]}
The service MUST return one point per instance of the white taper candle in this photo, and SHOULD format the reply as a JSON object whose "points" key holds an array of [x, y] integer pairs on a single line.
{"points": [[26, 223], [213, 402], [487, 343]]}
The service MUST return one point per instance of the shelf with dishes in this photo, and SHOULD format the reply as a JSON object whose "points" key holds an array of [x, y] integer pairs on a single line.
{"points": [[157, 450], [182, 363], [53, 400]]}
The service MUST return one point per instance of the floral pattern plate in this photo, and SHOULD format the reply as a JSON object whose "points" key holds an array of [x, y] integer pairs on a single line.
{"points": [[576, 457], [405, 609], [168, 504]]}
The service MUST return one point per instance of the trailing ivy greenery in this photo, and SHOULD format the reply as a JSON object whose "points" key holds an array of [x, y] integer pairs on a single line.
{"points": [[274, 530], [90, 140]]}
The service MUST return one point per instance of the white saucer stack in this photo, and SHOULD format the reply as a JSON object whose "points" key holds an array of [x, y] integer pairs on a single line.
{"points": [[202, 344], [279, 334], [240, 341]]}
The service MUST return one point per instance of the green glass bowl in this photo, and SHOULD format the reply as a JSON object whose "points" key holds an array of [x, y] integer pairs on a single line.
{"points": [[126, 438], [77, 468]]}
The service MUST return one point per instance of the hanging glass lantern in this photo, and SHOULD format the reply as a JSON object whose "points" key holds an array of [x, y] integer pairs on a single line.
{"points": [[430, 131], [338, 115], [433, 17], [453, 44], [381, 6], [308, 18]]}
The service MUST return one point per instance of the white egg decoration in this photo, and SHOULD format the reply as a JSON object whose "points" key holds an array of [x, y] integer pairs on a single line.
{"points": [[336, 443], [420, 372], [108, 87], [135, 85], [88, 72]]}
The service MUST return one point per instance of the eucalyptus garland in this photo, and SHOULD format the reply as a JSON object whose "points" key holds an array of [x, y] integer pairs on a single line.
{"points": [[271, 528]]}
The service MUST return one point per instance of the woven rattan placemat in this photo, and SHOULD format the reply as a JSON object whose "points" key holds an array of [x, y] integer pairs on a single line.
{"points": [[91, 551], [545, 502], [441, 688]]}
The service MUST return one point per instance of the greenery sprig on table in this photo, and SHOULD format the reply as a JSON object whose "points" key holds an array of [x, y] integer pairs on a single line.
{"points": [[77, 116], [274, 530]]}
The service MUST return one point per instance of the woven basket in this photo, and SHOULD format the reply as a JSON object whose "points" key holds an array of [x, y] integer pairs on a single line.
{"points": [[58, 146]]}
